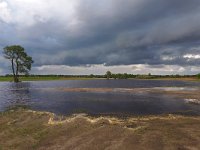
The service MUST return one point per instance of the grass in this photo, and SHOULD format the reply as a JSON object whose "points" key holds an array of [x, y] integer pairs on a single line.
{"points": [[49, 78], [6, 78], [10, 79], [181, 79], [22, 129]]}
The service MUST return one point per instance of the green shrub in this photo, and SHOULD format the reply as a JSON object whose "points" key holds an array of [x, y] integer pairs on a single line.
{"points": [[198, 76]]}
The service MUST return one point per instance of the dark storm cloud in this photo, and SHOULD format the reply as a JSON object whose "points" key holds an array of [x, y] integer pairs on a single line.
{"points": [[114, 32]]}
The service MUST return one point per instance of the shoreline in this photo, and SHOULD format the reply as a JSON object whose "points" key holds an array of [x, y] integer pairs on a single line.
{"points": [[27, 129]]}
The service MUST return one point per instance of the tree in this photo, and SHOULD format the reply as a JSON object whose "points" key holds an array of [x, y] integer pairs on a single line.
{"points": [[198, 75], [91, 76], [114, 76], [20, 61], [108, 74], [125, 76]]}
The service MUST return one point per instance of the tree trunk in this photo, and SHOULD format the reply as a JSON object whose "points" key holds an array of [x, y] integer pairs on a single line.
{"points": [[17, 70], [15, 78], [13, 70]]}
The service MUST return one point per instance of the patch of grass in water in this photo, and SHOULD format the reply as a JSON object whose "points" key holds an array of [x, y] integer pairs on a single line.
{"points": [[16, 107]]}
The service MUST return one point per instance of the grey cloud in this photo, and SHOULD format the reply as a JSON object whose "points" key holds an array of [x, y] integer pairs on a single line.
{"points": [[114, 32]]}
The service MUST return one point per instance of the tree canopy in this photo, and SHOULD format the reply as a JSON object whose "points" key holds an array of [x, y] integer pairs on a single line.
{"points": [[21, 63], [108, 74], [198, 75]]}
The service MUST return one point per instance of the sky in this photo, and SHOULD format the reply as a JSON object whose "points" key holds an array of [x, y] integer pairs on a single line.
{"points": [[93, 36]]}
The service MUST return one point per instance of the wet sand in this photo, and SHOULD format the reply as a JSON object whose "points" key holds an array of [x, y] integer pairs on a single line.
{"points": [[23, 129]]}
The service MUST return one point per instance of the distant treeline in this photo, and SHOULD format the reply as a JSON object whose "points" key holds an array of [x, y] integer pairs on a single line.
{"points": [[112, 75]]}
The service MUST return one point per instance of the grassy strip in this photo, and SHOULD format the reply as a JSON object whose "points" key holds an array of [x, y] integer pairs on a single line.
{"points": [[10, 79], [49, 78]]}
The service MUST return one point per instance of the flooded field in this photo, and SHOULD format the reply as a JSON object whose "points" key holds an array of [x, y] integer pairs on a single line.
{"points": [[100, 114], [104, 97]]}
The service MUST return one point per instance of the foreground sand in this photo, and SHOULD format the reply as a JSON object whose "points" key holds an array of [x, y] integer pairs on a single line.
{"points": [[25, 129]]}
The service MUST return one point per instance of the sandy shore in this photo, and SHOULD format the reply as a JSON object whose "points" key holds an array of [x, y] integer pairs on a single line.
{"points": [[26, 129]]}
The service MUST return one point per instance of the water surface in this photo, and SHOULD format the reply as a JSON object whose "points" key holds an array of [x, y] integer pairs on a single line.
{"points": [[46, 96]]}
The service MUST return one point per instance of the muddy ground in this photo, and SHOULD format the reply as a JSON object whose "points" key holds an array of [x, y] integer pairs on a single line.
{"points": [[22, 129]]}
